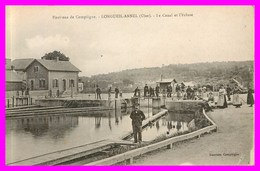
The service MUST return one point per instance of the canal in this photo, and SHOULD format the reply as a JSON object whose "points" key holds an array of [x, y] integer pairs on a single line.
{"points": [[32, 136]]}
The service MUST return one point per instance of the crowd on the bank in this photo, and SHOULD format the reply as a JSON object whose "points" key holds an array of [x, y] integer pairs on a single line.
{"points": [[181, 92]]}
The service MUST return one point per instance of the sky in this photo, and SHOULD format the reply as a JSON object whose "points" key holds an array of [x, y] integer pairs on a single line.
{"points": [[155, 36]]}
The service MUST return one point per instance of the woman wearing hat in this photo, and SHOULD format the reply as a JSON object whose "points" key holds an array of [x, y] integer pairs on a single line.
{"points": [[236, 98], [222, 101]]}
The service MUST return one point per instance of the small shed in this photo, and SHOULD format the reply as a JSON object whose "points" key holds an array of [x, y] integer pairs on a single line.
{"points": [[13, 81], [163, 83]]}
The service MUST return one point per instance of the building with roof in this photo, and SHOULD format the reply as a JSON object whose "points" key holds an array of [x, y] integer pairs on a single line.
{"points": [[13, 80], [52, 75], [164, 83], [41, 74], [20, 65]]}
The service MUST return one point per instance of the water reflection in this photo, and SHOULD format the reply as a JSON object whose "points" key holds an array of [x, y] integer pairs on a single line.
{"points": [[117, 112], [171, 124], [38, 126], [98, 121], [31, 136]]}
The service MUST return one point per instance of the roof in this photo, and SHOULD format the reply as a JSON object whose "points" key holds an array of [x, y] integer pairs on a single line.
{"points": [[191, 84], [52, 65], [8, 64], [165, 81], [12, 76], [21, 64]]}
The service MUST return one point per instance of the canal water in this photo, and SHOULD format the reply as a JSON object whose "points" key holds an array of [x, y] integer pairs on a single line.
{"points": [[32, 136]]}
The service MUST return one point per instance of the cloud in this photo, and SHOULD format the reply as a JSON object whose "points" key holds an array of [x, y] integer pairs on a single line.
{"points": [[40, 44]]}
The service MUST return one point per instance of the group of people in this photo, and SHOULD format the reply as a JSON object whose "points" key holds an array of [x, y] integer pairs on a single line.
{"points": [[148, 91], [224, 94], [228, 91], [117, 92]]}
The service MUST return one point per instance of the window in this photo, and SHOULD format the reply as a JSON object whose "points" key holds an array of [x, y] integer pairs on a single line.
{"points": [[55, 83], [71, 83], [42, 83], [36, 68]]}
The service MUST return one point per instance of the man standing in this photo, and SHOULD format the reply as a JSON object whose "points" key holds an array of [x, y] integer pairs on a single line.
{"points": [[188, 91], [151, 90], [116, 92], [228, 90], [109, 92], [157, 90], [136, 91], [145, 90], [168, 90], [137, 117], [98, 91]]}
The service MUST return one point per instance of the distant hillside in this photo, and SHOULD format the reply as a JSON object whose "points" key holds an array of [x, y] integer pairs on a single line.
{"points": [[213, 73]]}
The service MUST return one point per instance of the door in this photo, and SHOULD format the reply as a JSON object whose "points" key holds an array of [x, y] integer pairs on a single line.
{"points": [[64, 85]]}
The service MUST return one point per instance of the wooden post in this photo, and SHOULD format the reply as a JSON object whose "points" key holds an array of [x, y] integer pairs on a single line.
{"points": [[129, 161], [8, 103], [31, 100], [13, 101], [71, 91], [169, 146], [148, 106]]}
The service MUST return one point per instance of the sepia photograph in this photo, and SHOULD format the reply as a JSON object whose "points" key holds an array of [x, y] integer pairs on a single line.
{"points": [[130, 85]]}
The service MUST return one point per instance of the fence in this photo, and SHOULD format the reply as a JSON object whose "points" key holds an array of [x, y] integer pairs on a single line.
{"points": [[128, 157]]}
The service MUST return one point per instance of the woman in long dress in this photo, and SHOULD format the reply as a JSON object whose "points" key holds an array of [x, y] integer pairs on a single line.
{"points": [[222, 101], [236, 99], [211, 100], [250, 97]]}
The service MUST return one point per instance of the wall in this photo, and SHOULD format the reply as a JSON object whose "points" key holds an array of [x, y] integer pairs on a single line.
{"points": [[184, 105], [60, 76], [71, 103], [22, 75], [36, 76], [12, 86]]}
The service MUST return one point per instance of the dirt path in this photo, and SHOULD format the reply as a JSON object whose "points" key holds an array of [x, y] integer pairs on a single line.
{"points": [[230, 145]]}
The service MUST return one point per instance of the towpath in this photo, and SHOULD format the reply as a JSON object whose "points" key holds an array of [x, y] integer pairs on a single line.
{"points": [[232, 144]]}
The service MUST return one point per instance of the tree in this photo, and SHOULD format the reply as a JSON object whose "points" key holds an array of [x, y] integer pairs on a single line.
{"points": [[127, 82], [54, 55]]}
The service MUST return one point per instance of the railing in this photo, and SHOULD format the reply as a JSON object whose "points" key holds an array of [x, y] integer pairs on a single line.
{"points": [[19, 101], [128, 157]]}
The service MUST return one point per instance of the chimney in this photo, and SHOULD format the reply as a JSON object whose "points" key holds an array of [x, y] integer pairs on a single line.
{"points": [[161, 77]]}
